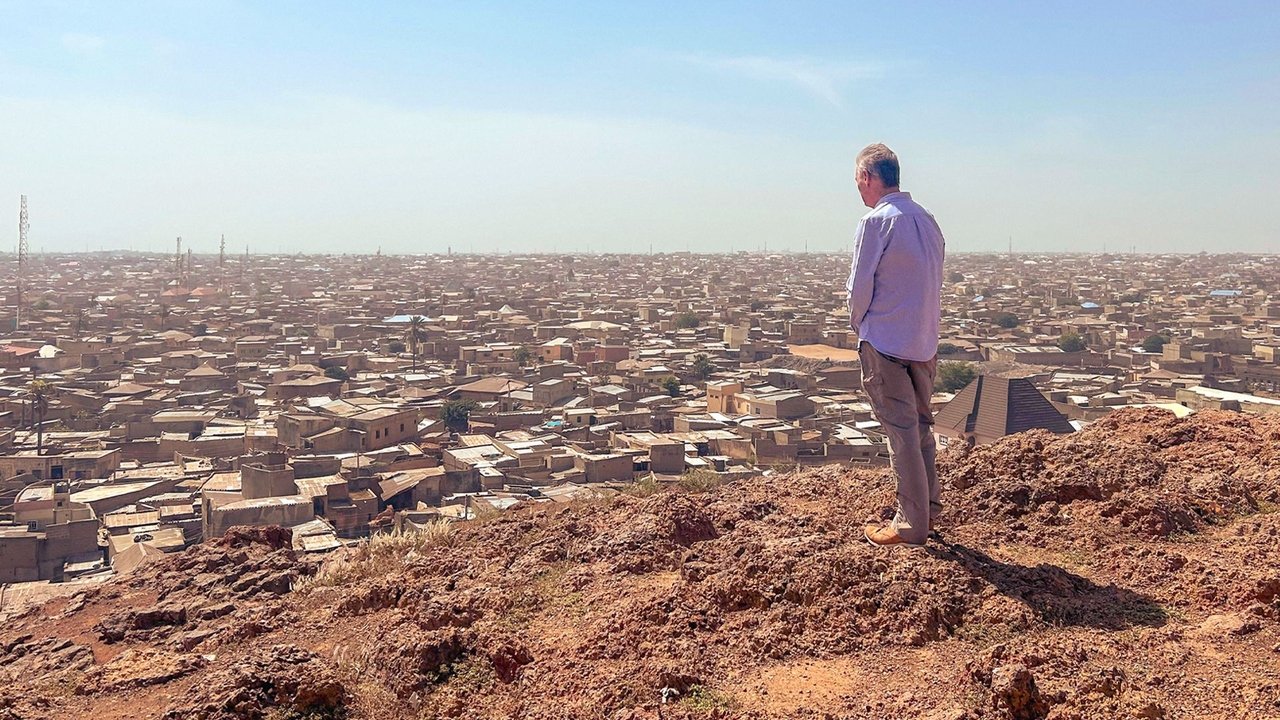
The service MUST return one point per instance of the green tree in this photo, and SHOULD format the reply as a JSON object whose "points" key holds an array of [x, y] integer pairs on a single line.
{"points": [[954, 375], [688, 320], [337, 372], [671, 384], [396, 347], [200, 329], [702, 366], [82, 316], [1071, 342], [948, 348], [522, 355], [956, 276], [414, 333], [1006, 320], [1155, 343], [40, 391], [456, 414]]}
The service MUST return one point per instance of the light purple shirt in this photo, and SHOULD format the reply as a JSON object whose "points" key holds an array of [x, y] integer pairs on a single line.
{"points": [[896, 279]]}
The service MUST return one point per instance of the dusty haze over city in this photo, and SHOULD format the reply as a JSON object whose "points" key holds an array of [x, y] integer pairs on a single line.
{"points": [[496, 360]]}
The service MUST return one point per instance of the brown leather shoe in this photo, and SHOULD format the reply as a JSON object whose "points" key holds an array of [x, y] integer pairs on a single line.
{"points": [[886, 536]]}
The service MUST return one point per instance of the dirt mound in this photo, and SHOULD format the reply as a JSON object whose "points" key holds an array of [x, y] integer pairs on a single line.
{"points": [[273, 537], [1125, 571], [1142, 470], [220, 588], [282, 681]]}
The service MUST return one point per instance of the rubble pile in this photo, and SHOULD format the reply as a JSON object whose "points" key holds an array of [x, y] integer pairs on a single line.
{"points": [[1124, 571]]}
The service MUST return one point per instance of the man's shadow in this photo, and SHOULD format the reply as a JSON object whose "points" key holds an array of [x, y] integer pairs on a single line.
{"points": [[1057, 596]]}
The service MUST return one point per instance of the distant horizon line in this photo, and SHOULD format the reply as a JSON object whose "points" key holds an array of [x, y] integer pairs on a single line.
{"points": [[10, 254]]}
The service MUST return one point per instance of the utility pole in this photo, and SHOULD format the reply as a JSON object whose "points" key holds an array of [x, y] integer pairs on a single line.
{"points": [[23, 227]]}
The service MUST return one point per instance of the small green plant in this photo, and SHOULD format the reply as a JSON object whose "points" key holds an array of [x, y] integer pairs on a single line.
{"points": [[1006, 320], [685, 321], [983, 634], [1155, 343], [470, 675], [700, 481], [457, 413], [953, 376], [702, 366], [704, 699], [671, 384], [644, 487], [1071, 342], [337, 372]]}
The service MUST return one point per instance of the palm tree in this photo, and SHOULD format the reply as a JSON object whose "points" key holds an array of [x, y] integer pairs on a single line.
{"points": [[81, 316], [415, 333], [39, 390], [164, 316]]}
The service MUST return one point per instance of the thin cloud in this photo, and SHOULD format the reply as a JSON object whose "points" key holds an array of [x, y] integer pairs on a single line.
{"points": [[821, 78], [82, 43]]}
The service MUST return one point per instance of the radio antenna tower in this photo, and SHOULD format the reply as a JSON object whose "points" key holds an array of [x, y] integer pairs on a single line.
{"points": [[177, 261], [222, 264], [23, 227]]}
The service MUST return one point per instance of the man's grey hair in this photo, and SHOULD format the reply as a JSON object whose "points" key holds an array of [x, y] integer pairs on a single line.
{"points": [[878, 160]]}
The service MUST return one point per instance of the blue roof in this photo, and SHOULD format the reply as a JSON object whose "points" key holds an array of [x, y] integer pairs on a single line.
{"points": [[1090, 305], [402, 318], [1225, 293]]}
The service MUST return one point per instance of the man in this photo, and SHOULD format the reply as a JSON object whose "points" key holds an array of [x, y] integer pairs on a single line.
{"points": [[894, 306]]}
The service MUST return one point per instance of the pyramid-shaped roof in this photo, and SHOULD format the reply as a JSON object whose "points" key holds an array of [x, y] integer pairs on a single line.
{"points": [[992, 407], [205, 371]]}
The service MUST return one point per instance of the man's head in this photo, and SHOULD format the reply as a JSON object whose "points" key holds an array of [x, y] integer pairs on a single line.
{"points": [[876, 173]]}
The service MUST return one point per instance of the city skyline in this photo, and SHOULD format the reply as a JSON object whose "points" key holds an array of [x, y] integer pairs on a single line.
{"points": [[576, 128]]}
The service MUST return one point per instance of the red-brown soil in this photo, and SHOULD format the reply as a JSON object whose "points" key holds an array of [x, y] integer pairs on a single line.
{"points": [[1128, 571]]}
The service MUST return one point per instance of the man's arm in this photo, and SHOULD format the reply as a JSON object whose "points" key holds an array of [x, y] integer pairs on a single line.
{"points": [[868, 245]]}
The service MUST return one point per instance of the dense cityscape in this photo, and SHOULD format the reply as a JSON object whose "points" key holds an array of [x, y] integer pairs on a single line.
{"points": [[151, 402]]}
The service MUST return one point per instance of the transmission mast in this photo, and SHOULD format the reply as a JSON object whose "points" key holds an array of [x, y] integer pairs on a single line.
{"points": [[23, 227], [222, 265], [177, 262]]}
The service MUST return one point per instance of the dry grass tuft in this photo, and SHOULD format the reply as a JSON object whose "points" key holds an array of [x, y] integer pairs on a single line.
{"points": [[700, 481], [644, 487], [378, 555]]}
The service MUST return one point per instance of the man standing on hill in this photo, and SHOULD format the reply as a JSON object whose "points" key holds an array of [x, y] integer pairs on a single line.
{"points": [[894, 306]]}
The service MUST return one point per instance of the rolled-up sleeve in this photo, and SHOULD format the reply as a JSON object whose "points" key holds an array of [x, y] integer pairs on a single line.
{"points": [[868, 245]]}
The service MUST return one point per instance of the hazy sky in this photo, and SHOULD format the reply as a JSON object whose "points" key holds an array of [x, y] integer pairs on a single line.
{"points": [[611, 125]]}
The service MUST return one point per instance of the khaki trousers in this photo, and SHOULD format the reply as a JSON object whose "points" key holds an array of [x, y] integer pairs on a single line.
{"points": [[899, 391]]}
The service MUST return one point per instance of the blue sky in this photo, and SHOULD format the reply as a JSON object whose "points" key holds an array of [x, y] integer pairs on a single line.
{"points": [[327, 127]]}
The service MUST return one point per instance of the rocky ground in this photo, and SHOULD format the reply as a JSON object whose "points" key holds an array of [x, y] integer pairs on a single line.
{"points": [[1128, 571]]}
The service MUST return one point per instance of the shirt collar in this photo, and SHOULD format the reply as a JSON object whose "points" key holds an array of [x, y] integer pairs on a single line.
{"points": [[894, 196]]}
